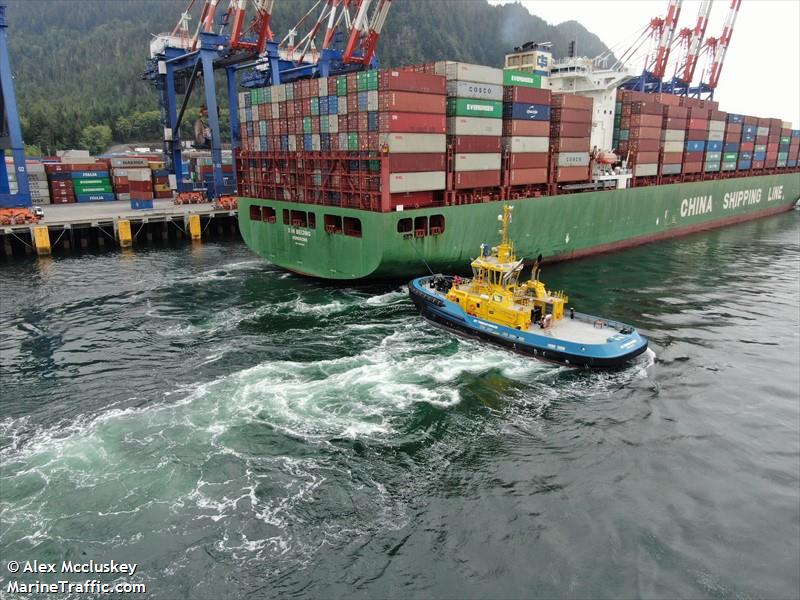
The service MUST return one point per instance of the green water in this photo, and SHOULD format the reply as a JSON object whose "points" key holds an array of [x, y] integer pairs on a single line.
{"points": [[239, 431]]}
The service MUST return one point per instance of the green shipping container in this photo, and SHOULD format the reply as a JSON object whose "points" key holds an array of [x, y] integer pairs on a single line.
{"points": [[254, 96], [314, 106], [97, 188], [730, 157], [341, 86], [468, 107], [289, 92], [786, 139], [306, 124], [512, 77], [711, 167], [352, 141]]}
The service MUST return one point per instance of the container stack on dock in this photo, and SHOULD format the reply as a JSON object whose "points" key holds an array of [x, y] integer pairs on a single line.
{"points": [[160, 178], [37, 181], [91, 182], [474, 122], [570, 136], [526, 128]]}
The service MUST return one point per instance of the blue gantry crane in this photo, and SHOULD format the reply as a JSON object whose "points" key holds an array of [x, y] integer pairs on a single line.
{"points": [[10, 132], [341, 39]]}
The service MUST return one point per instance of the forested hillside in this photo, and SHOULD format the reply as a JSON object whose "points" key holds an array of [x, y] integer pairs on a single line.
{"points": [[78, 63]]}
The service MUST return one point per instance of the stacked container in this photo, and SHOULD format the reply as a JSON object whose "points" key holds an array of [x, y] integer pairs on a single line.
{"points": [[783, 144], [120, 167], [474, 124], [715, 139], [570, 136], [737, 132], [696, 136], [762, 143], [644, 121], [37, 180], [794, 148], [60, 182], [673, 137], [526, 129], [160, 177], [92, 185]]}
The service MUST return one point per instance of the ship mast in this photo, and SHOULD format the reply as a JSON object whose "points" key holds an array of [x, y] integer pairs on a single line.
{"points": [[505, 251]]}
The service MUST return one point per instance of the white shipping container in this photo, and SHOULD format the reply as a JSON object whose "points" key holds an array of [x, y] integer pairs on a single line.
{"points": [[333, 123], [323, 86], [671, 169], [139, 174], [126, 163], [572, 159], [526, 144], [645, 170], [35, 168], [416, 182], [474, 126], [124, 196], [343, 141], [470, 89], [414, 142], [276, 112], [477, 162], [278, 93], [762, 131], [315, 144], [341, 106], [716, 126], [372, 100], [469, 72], [40, 201], [786, 125], [37, 185], [673, 146], [716, 136], [292, 143], [673, 135]]}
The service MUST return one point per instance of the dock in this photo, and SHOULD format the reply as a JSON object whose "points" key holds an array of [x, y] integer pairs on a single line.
{"points": [[109, 225]]}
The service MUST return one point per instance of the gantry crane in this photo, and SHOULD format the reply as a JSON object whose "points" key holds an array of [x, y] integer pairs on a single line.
{"points": [[10, 132], [180, 57]]}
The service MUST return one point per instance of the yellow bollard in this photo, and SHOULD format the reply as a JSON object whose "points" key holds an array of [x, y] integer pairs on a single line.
{"points": [[124, 233], [41, 240], [194, 227]]}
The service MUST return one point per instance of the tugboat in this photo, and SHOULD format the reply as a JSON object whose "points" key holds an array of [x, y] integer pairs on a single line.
{"points": [[524, 316]]}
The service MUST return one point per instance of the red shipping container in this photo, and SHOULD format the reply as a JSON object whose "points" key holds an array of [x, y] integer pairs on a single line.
{"points": [[314, 124], [526, 176], [717, 115], [645, 133], [634, 96], [390, 79], [673, 158], [645, 120], [63, 200], [474, 143], [693, 167], [352, 81], [762, 139], [402, 122], [332, 86], [646, 108], [475, 179], [758, 164], [696, 134], [60, 184], [679, 112], [701, 114], [678, 123], [641, 158], [412, 199], [667, 99], [571, 115], [571, 101], [136, 195], [412, 163], [528, 160], [747, 147], [526, 94], [572, 174], [411, 102], [570, 130], [733, 128], [640, 145], [701, 124], [352, 122], [570, 144], [772, 148], [352, 103], [732, 138], [526, 128], [343, 123], [363, 122], [770, 163]]}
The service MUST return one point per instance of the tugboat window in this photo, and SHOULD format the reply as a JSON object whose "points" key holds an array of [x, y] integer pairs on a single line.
{"points": [[404, 226], [255, 212], [299, 218], [352, 227], [268, 214]]}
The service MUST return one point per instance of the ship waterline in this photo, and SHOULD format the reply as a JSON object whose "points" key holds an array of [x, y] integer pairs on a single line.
{"points": [[341, 243]]}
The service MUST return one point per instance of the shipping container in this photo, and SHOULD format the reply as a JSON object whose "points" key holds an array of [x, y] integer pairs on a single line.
{"points": [[469, 72], [526, 111], [416, 181], [469, 107], [475, 179], [476, 162], [526, 95], [526, 144], [478, 91], [523, 176], [528, 160], [527, 128], [474, 126], [415, 143], [475, 143]]}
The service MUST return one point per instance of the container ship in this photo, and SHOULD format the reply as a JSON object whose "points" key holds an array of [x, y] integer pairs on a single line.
{"points": [[378, 173]]}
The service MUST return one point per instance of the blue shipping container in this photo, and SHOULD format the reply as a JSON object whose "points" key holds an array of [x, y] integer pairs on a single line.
{"points": [[730, 148], [791, 163], [714, 146], [796, 133], [307, 144], [735, 118], [323, 106], [362, 101], [62, 176], [783, 156], [95, 197], [695, 146], [89, 174], [160, 173], [527, 112], [748, 137], [372, 121], [746, 156], [750, 129], [333, 104], [744, 164], [141, 204]]}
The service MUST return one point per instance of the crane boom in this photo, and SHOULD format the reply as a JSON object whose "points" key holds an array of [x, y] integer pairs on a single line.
{"points": [[696, 41], [365, 32], [724, 41], [665, 39]]}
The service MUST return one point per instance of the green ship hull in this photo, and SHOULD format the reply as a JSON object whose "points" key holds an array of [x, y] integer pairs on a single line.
{"points": [[559, 227]]}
